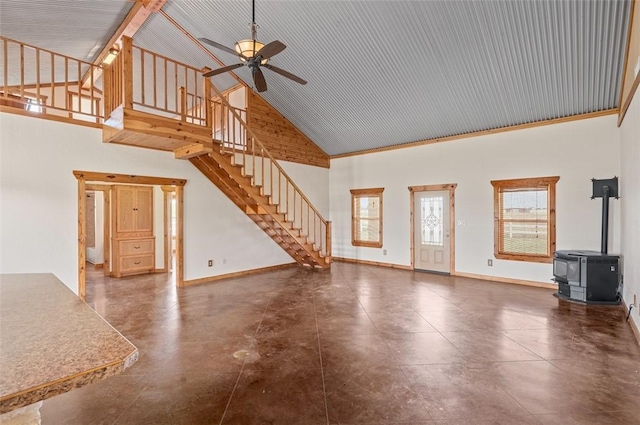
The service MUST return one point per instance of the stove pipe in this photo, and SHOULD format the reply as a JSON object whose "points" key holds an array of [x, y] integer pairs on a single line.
{"points": [[605, 219]]}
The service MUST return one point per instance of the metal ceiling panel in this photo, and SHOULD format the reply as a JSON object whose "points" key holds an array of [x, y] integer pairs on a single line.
{"points": [[159, 35], [76, 28], [390, 72], [380, 73]]}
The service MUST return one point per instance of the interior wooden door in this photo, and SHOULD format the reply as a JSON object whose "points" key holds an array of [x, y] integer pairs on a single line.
{"points": [[431, 231], [125, 209], [144, 209]]}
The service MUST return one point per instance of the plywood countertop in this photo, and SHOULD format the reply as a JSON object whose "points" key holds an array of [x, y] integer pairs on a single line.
{"points": [[52, 342]]}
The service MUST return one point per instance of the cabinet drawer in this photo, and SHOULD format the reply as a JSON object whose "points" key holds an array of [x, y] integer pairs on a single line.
{"points": [[136, 247], [137, 262]]}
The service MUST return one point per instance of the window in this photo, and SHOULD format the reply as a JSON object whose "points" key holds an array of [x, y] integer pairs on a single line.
{"points": [[366, 217], [525, 219]]}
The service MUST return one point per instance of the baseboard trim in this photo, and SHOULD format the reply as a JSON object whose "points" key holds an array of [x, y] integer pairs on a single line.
{"points": [[372, 263], [98, 266], [634, 327], [506, 280], [236, 274]]}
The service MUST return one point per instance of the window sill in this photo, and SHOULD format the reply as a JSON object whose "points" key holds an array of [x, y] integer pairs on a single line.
{"points": [[526, 258]]}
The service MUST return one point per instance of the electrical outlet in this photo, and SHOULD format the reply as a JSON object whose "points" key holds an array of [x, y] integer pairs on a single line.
{"points": [[490, 262], [224, 261], [210, 263], [635, 300], [384, 252]]}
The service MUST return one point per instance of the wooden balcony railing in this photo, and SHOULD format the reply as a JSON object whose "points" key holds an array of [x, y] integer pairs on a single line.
{"points": [[237, 138], [147, 81], [42, 81]]}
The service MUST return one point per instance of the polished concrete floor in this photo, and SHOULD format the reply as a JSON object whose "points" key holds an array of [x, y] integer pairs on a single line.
{"points": [[357, 345]]}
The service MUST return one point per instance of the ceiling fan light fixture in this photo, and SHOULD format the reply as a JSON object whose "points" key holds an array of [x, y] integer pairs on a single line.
{"points": [[248, 48]]}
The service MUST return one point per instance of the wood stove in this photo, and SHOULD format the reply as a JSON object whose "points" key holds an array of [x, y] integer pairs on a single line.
{"points": [[591, 277]]}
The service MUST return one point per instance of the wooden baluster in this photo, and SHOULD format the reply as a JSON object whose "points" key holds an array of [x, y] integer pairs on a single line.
{"points": [[186, 80], [21, 73], [183, 104], [142, 78], [127, 72], [79, 89], [206, 94], [271, 180], [253, 156], [53, 79], [37, 74], [94, 112], [328, 241], [5, 61], [66, 84], [175, 82], [155, 81], [262, 166], [166, 86]]}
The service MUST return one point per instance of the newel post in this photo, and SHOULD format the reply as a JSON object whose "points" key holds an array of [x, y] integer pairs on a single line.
{"points": [[329, 241], [206, 90], [127, 72]]}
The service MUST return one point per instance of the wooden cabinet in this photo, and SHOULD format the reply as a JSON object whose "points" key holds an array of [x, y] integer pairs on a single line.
{"points": [[133, 240], [133, 211], [134, 256]]}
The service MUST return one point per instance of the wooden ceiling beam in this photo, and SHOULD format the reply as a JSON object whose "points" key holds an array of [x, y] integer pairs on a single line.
{"points": [[137, 16]]}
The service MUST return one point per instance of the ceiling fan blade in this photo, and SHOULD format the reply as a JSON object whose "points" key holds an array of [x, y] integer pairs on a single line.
{"points": [[271, 49], [285, 73], [220, 46], [258, 80], [222, 70]]}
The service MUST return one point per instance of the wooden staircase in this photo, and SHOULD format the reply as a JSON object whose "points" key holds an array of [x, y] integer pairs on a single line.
{"points": [[241, 167], [192, 118]]}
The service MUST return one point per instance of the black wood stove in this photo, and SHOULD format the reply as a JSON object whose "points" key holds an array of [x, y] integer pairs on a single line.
{"points": [[591, 277]]}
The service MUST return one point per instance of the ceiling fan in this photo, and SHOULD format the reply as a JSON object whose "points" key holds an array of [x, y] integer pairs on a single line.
{"points": [[255, 55]]}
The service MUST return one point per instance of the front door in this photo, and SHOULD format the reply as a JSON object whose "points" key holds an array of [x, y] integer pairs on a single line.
{"points": [[431, 231]]}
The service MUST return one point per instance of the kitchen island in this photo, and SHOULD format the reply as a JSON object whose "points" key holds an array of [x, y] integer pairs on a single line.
{"points": [[51, 342]]}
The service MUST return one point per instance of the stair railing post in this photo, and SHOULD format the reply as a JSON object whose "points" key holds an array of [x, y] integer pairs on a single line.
{"points": [[127, 72], [183, 104], [206, 94], [328, 241]]}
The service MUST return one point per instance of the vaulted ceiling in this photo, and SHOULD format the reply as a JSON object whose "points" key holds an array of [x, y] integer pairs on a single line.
{"points": [[380, 73]]}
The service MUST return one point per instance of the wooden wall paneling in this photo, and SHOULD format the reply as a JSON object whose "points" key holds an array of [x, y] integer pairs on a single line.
{"points": [[283, 140]]}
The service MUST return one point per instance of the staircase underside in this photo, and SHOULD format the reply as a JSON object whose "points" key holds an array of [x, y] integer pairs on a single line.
{"points": [[141, 129], [218, 169]]}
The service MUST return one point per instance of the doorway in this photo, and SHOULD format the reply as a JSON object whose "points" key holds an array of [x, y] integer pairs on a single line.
{"points": [[88, 176], [433, 228]]}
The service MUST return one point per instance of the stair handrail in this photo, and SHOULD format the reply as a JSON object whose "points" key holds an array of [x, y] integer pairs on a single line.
{"points": [[257, 141]]}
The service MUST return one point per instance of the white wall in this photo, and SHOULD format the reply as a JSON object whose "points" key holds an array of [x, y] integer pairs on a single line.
{"points": [[38, 200], [576, 151], [630, 203]]}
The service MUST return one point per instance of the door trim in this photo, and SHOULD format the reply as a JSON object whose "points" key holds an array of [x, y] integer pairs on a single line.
{"points": [[451, 188]]}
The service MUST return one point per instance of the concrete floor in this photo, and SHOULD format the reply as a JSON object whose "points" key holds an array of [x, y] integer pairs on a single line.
{"points": [[357, 345]]}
